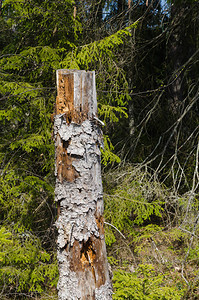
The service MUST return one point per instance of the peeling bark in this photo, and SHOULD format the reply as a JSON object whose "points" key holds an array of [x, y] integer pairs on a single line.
{"points": [[81, 254]]}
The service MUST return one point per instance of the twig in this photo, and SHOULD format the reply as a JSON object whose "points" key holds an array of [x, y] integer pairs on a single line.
{"points": [[115, 229]]}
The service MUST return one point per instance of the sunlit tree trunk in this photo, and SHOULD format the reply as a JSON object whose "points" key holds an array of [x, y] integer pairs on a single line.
{"points": [[83, 267]]}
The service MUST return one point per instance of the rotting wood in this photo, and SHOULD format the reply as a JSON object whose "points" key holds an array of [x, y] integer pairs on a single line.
{"points": [[82, 260]]}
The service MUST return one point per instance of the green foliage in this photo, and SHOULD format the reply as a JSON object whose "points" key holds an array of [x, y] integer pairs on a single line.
{"points": [[133, 200], [98, 50], [112, 113], [34, 64], [37, 23], [5, 241], [107, 152], [25, 266], [20, 197], [27, 75], [143, 284], [145, 234]]}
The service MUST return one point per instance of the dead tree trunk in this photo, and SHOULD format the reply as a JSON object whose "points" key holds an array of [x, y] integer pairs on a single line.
{"points": [[83, 267]]}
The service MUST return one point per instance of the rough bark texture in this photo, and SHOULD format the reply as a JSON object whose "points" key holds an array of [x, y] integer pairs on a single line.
{"points": [[81, 255]]}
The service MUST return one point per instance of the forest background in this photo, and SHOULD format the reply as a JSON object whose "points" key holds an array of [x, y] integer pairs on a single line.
{"points": [[146, 58]]}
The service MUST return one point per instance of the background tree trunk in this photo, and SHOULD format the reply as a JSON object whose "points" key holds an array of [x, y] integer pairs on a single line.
{"points": [[81, 255], [176, 58]]}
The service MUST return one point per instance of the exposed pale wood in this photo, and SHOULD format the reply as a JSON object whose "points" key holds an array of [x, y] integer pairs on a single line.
{"points": [[81, 254]]}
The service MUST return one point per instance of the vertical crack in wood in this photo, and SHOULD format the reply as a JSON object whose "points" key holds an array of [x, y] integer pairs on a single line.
{"points": [[81, 252]]}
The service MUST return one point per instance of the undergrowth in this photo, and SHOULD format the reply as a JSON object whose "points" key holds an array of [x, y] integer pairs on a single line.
{"points": [[152, 248]]}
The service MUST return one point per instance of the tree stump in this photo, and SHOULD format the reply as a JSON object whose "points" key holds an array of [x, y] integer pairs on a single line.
{"points": [[82, 260]]}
